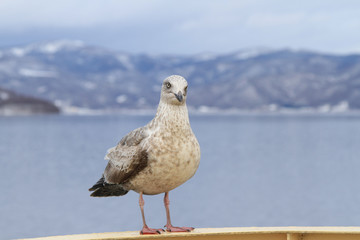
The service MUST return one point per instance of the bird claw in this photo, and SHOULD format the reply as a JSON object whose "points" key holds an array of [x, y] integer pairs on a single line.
{"points": [[178, 229], [147, 230]]}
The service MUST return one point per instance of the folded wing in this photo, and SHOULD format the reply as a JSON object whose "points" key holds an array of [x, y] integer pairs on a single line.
{"points": [[126, 160]]}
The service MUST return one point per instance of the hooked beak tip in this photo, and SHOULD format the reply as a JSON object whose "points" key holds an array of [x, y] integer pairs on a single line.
{"points": [[179, 96]]}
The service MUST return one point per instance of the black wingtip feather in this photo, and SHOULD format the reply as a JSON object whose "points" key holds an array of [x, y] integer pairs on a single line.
{"points": [[109, 192], [103, 189], [98, 184]]}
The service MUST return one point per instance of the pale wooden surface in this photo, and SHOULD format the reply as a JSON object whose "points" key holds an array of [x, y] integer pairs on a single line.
{"points": [[245, 233]]}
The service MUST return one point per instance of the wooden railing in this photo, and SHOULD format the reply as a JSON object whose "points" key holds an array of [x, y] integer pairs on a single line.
{"points": [[241, 233]]}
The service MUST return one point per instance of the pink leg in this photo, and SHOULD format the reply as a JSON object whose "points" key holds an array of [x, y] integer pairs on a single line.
{"points": [[169, 226], [146, 229]]}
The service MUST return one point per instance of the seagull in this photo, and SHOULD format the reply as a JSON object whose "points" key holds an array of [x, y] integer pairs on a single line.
{"points": [[156, 158]]}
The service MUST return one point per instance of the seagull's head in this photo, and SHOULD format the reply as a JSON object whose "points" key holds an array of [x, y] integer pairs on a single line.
{"points": [[174, 90]]}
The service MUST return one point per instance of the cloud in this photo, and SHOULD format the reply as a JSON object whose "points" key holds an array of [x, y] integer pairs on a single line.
{"points": [[186, 26], [275, 20], [22, 14]]}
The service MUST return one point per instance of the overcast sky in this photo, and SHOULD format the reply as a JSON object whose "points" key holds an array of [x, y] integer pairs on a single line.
{"points": [[185, 26]]}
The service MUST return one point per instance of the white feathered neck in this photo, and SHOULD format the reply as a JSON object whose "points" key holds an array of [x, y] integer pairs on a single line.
{"points": [[173, 116]]}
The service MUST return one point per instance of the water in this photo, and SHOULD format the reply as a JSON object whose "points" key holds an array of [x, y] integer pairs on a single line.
{"points": [[254, 171]]}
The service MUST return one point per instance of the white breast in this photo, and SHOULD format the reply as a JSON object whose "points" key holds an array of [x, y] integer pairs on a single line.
{"points": [[170, 164]]}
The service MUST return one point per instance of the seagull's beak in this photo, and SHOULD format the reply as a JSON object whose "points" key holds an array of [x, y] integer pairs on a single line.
{"points": [[179, 96]]}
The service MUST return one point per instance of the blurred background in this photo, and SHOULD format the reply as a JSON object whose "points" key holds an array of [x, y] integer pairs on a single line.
{"points": [[274, 99]]}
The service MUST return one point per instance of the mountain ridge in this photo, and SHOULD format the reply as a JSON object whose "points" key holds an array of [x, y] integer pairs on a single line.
{"points": [[73, 74]]}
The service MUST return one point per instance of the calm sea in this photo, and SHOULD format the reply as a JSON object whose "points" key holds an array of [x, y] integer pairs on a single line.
{"points": [[255, 171]]}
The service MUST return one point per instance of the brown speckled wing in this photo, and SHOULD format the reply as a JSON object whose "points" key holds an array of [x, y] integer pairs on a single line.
{"points": [[134, 137], [127, 159]]}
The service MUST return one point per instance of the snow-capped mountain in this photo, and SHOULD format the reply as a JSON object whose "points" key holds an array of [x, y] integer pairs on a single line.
{"points": [[71, 73]]}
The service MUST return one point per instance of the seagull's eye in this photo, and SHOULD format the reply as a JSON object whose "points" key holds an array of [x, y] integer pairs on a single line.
{"points": [[168, 85], [185, 90]]}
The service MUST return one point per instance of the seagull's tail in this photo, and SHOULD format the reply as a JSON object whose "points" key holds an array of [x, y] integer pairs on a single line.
{"points": [[103, 189]]}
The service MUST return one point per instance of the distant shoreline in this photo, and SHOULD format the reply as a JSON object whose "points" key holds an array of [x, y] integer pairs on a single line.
{"points": [[226, 112]]}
